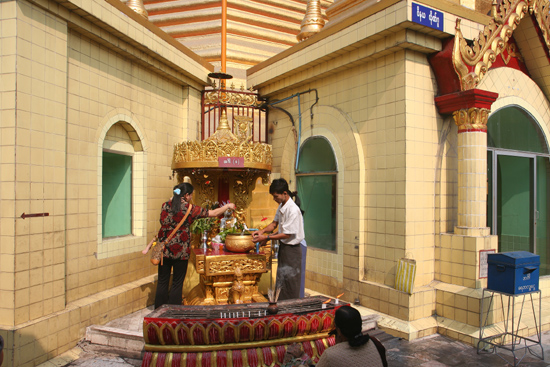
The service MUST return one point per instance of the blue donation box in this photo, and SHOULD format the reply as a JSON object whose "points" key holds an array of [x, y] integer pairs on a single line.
{"points": [[513, 272]]}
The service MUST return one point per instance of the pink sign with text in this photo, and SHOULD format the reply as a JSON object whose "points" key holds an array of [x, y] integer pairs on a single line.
{"points": [[231, 162]]}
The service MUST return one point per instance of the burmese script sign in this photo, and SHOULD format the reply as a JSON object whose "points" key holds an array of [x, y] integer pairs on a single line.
{"points": [[230, 162], [429, 17]]}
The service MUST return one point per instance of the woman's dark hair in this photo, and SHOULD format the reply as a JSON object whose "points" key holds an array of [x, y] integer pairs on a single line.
{"points": [[297, 201], [280, 186], [349, 321], [179, 192]]}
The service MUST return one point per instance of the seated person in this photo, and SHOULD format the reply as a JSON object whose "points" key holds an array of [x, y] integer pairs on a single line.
{"points": [[352, 348]]}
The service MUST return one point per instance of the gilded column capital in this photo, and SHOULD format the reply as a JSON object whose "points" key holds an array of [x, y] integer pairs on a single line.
{"points": [[471, 119]]}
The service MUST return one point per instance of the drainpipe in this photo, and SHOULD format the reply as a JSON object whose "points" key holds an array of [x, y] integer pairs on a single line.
{"points": [[272, 104]]}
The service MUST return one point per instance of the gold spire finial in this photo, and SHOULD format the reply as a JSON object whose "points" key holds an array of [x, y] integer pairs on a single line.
{"points": [[138, 7], [313, 21], [224, 123], [223, 132]]}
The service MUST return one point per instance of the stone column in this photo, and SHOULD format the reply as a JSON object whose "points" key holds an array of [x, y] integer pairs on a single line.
{"points": [[458, 252], [470, 111]]}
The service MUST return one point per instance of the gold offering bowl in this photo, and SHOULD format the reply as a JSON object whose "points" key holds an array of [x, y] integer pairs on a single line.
{"points": [[239, 242]]}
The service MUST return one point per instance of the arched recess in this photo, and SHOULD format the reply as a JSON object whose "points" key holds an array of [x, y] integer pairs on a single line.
{"points": [[339, 130], [523, 227], [121, 136]]}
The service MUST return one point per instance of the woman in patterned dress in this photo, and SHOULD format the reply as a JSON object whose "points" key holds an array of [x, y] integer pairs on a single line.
{"points": [[177, 250]]}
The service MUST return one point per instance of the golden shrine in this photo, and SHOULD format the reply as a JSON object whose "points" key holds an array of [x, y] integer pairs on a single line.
{"points": [[225, 167], [228, 277]]}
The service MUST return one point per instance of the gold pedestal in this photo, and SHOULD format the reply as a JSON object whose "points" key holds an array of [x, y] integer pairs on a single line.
{"points": [[227, 277]]}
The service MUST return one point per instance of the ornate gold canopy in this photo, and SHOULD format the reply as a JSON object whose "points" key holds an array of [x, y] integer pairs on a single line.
{"points": [[235, 159], [224, 144]]}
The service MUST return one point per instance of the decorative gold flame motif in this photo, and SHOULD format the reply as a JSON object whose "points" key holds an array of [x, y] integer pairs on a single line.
{"points": [[472, 62], [313, 21], [138, 7]]}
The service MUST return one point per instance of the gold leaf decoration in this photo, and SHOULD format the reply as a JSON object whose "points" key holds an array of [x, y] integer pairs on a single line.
{"points": [[472, 62]]}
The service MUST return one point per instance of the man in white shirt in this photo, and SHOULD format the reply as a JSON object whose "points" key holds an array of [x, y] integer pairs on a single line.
{"points": [[290, 233]]}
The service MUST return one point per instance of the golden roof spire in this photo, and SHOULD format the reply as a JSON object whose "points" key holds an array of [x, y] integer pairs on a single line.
{"points": [[223, 132], [138, 7], [313, 21]]}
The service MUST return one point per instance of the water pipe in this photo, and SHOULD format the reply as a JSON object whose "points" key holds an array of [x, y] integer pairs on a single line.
{"points": [[272, 104]]}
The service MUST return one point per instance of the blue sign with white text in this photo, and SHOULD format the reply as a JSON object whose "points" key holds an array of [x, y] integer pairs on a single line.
{"points": [[426, 16]]}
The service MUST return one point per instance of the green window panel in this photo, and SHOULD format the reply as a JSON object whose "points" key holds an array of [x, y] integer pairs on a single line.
{"points": [[316, 155], [316, 181], [515, 129], [117, 195], [317, 194]]}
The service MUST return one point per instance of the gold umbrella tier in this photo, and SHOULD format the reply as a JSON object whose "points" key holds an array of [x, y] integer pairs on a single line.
{"points": [[212, 154], [225, 149]]}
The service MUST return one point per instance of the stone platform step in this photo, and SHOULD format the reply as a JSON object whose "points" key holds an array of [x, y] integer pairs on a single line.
{"points": [[124, 333], [114, 337], [370, 322]]}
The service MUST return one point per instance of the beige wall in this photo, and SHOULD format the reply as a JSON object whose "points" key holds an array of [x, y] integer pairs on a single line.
{"points": [[100, 84], [34, 82], [381, 121]]}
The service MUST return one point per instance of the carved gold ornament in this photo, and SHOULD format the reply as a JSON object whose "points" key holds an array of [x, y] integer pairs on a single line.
{"points": [[223, 143], [243, 128], [471, 119], [512, 52], [472, 62], [228, 266], [234, 98]]}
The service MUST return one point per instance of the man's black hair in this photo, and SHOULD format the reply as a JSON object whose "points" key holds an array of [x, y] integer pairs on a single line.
{"points": [[279, 186]]}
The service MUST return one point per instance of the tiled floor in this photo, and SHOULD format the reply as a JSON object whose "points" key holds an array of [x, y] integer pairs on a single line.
{"points": [[440, 351]]}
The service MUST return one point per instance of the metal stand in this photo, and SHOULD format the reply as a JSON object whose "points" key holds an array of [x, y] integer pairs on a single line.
{"points": [[509, 339]]}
